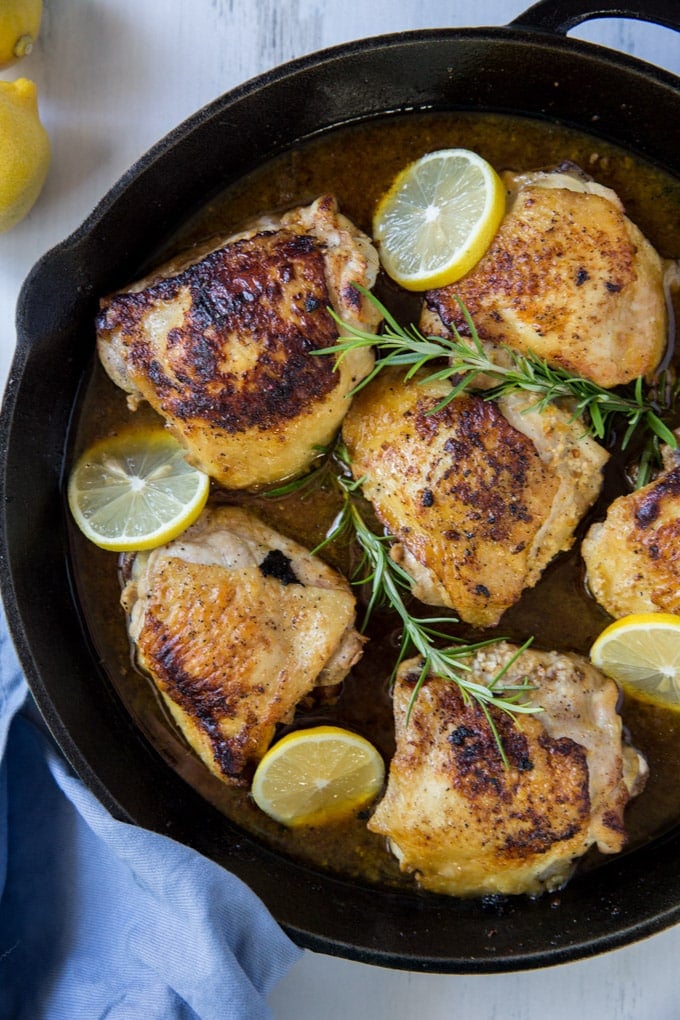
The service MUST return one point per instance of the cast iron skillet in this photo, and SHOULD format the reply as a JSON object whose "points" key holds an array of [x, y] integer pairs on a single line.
{"points": [[527, 67]]}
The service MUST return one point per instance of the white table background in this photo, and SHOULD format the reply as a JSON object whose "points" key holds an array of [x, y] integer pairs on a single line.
{"points": [[114, 76]]}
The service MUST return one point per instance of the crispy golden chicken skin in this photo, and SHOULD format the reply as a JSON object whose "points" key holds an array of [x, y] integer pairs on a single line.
{"points": [[569, 277], [236, 624], [479, 495], [220, 342], [632, 558], [467, 825]]}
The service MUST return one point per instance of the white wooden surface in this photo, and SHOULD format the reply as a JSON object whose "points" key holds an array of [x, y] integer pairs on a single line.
{"points": [[114, 76]]}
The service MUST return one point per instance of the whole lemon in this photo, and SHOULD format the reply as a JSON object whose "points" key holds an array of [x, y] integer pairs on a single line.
{"points": [[24, 150], [19, 24]]}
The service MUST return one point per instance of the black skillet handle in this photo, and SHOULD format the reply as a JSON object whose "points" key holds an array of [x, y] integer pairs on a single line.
{"points": [[559, 16]]}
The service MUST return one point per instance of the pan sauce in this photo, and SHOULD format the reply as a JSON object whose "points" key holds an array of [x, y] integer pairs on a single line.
{"points": [[357, 164]]}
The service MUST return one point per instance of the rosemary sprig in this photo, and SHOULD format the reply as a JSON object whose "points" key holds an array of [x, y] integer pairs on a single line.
{"points": [[667, 389], [388, 582], [466, 359]]}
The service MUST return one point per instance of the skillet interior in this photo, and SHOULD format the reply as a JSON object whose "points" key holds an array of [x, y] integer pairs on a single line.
{"points": [[577, 84]]}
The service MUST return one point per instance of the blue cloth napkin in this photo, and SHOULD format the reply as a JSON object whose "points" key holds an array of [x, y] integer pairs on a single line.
{"points": [[99, 918]]}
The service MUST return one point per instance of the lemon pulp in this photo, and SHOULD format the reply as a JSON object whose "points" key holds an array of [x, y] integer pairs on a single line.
{"points": [[318, 775], [135, 491], [438, 218]]}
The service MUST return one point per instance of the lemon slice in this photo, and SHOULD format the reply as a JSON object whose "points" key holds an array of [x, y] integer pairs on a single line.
{"points": [[438, 218], [642, 651], [135, 491], [318, 775]]}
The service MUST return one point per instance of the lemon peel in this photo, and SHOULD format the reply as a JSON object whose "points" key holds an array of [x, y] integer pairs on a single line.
{"points": [[19, 26], [24, 151]]}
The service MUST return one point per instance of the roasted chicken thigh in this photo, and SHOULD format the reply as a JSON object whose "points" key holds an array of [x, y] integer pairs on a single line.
{"points": [[568, 277], [221, 342], [236, 624], [632, 558], [478, 495], [467, 824]]}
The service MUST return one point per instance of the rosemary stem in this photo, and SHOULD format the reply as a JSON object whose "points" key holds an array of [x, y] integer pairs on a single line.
{"points": [[466, 358], [387, 581]]}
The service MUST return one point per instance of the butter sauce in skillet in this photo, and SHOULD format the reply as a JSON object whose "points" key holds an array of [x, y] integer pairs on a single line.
{"points": [[357, 164]]}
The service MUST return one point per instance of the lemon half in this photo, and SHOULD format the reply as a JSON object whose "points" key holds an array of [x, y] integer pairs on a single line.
{"points": [[642, 652], [317, 776], [135, 491], [438, 218]]}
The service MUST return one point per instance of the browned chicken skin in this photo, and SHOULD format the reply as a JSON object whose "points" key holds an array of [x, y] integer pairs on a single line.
{"points": [[479, 496], [468, 825], [236, 624], [220, 343], [633, 556], [569, 277]]}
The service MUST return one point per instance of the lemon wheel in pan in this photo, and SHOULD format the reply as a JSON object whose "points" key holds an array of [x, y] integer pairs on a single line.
{"points": [[317, 776], [642, 652], [438, 218], [135, 490]]}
